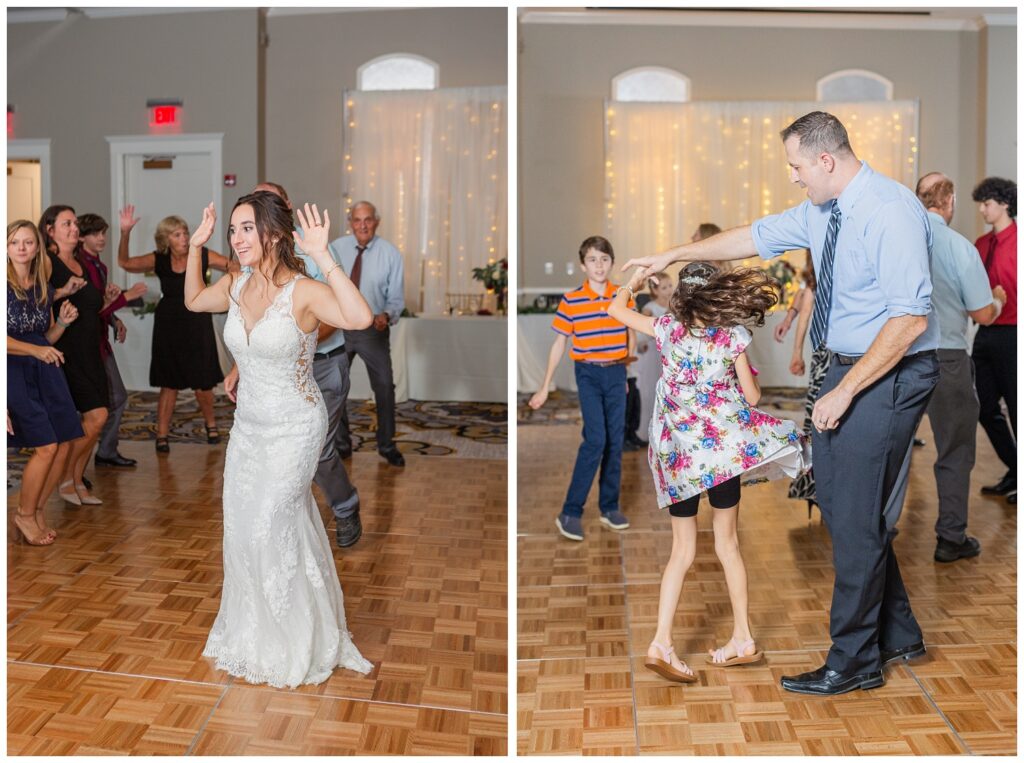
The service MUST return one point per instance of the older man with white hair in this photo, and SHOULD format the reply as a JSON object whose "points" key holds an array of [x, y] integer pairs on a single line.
{"points": [[376, 268]]}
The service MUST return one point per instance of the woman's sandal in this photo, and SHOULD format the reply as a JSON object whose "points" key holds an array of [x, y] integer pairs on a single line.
{"points": [[717, 657], [664, 667], [162, 445], [212, 435], [72, 497], [41, 519], [43, 539]]}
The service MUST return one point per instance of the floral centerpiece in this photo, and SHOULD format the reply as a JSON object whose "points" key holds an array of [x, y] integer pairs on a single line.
{"points": [[494, 276]]}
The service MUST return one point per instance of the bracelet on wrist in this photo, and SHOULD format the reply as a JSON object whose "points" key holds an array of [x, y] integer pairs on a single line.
{"points": [[61, 323], [626, 288], [331, 270]]}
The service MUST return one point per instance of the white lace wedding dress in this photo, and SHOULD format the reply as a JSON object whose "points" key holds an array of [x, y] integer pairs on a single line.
{"points": [[281, 618]]}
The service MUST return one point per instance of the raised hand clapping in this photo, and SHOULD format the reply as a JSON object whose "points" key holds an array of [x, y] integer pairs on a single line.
{"points": [[205, 229], [314, 233]]}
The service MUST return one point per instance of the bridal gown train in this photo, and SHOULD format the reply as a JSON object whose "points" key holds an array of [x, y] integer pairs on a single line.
{"points": [[282, 618]]}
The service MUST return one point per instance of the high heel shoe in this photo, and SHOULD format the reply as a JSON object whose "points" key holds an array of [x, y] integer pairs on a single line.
{"points": [[36, 539], [71, 497], [212, 435], [87, 500], [41, 520], [162, 445]]}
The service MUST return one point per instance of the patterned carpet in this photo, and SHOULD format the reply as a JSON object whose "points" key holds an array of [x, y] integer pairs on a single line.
{"points": [[464, 430]]}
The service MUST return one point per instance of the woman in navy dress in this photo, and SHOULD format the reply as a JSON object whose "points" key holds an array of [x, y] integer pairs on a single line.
{"points": [[40, 411]]}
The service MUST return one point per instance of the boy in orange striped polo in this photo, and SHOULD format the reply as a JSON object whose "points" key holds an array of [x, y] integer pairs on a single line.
{"points": [[600, 346]]}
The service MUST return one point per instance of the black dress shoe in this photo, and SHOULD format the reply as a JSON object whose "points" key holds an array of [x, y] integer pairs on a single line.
{"points": [[344, 454], [393, 456], [1006, 485], [350, 529], [87, 483], [629, 446], [1012, 497], [117, 460], [918, 442], [824, 680], [948, 551], [905, 653]]}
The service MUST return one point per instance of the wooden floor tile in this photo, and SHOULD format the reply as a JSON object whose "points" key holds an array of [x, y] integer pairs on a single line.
{"points": [[106, 627], [587, 611]]}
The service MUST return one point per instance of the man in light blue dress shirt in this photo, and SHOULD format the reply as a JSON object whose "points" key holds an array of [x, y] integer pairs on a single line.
{"points": [[376, 267], [870, 240], [960, 290]]}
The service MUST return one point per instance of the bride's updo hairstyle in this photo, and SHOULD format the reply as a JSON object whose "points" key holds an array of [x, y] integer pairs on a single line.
{"points": [[707, 296], [274, 224]]}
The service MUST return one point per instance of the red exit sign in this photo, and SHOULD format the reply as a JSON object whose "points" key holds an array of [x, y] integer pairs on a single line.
{"points": [[163, 116]]}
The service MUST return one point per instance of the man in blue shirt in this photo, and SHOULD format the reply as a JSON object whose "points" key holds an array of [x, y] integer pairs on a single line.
{"points": [[330, 370], [870, 240], [376, 268], [960, 289]]}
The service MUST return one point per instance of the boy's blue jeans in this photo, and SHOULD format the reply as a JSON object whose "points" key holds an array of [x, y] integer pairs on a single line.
{"points": [[602, 391]]}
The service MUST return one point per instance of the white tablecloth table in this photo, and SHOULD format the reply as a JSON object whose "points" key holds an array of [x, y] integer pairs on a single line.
{"points": [[433, 357]]}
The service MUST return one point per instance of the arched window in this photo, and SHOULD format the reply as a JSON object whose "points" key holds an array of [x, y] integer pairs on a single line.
{"points": [[854, 85], [398, 71], [651, 83]]}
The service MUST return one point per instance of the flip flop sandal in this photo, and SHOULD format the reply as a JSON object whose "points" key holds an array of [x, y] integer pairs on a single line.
{"points": [[719, 661], [664, 667]]}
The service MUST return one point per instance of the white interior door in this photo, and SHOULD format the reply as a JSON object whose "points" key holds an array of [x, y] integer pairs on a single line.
{"points": [[176, 177], [24, 190]]}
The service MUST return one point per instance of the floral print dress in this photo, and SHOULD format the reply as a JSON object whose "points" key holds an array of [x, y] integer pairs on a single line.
{"points": [[703, 432]]}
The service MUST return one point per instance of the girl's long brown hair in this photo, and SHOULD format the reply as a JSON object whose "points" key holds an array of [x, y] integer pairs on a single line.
{"points": [[39, 269], [273, 219], [810, 279], [707, 296]]}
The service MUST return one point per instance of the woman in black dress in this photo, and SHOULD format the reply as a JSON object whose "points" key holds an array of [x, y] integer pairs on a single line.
{"points": [[184, 354], [80, 344], [40, 411]]}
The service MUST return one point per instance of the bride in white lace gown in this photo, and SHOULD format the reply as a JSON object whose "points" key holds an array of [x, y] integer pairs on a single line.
{"points": [[281, 618]]}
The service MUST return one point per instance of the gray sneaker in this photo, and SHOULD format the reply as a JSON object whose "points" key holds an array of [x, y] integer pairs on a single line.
{"points": [[570, 527], [615, 520]]}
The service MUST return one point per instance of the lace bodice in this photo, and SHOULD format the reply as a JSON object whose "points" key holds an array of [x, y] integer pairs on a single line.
{"points": [[275, 357], [27, 316]]}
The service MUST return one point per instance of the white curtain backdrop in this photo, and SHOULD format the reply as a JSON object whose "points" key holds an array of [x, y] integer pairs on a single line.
{"points": [[671, 167], [435, 165]]}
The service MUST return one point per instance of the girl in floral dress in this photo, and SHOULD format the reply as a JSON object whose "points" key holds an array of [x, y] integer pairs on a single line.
{"points": [[705, 433]]}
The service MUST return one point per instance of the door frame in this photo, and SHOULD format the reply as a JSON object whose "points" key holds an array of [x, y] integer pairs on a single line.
{"points": [[186, 143], [34, 148]]}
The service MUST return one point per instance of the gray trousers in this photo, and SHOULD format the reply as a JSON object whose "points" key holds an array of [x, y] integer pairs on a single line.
{"points": [[953, 413], [374, 347], [856, 470], [332, 377], [118, 402]]}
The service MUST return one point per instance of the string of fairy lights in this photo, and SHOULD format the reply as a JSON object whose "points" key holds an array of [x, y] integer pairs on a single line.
{"points": [[434, 163], [671, 167]]}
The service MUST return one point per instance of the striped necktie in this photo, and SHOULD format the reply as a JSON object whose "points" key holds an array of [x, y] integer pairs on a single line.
{"points": [[823, 294]]}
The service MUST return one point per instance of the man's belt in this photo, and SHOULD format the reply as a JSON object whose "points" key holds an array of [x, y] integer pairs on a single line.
{"points": [[331, 354]]}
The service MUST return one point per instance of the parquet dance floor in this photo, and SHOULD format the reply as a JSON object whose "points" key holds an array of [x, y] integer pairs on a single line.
{"points": [[106, 627], [587, 612]]}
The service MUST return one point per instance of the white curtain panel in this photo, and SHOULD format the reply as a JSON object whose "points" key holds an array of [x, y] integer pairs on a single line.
{"points": [[435, 165], [671, 167]]}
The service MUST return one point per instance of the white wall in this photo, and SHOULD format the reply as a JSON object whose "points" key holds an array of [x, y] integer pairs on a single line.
{"points": [[565, 72]]}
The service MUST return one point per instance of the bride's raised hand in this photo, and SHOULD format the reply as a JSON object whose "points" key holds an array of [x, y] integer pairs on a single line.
{"points": [[205, 229], [314, 231]]}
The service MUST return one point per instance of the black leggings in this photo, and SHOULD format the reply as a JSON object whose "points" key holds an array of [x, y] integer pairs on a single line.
{"points": [[723, 496]]}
